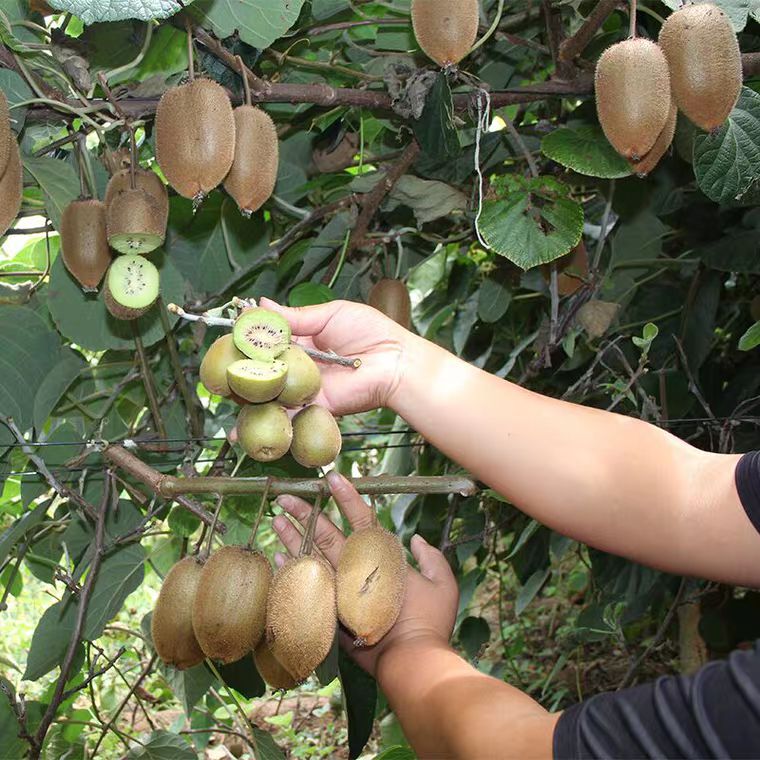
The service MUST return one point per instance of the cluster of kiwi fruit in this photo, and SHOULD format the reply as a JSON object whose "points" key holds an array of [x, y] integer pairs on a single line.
{"points": [[11, 170], [231, 605], [258, 367], [696, 68], [445, 29]]}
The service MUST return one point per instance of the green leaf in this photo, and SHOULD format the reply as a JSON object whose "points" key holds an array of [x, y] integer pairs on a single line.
{"points": [[57, 180], [310, 293], [360, 698], [530, 589], [473, 634], [243, 677], [396, 753], [190, 685], [736, 10], [584, 149], [10, 537], [258, 22], [266, 746], [733, 253], [92, 11], [16, 90], [84, 320], [435, 129], [55, 385], [50, 639], [10, 744], [727, 162], [55, 457], [162, 745], [751, 338], [531, 221], [493, 300], [322, 9]]}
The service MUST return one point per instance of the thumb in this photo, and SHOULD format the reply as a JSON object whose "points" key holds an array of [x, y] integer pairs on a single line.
{"points": [[432, 563], [303, 320]]}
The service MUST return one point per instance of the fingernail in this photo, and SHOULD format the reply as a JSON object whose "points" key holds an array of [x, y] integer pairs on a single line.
{"points": [[419, 539], [335, 479], [283, 501], [279, 559], [280, 523]]}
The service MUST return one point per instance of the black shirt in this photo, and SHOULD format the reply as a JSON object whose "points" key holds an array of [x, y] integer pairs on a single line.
{"points": [[714, 713]]}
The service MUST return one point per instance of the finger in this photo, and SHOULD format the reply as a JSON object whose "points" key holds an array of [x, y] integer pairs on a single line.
{"points": [[304, 320], [432, 563], [327, 536], [350, 502], [288, 534], [279, 559]]}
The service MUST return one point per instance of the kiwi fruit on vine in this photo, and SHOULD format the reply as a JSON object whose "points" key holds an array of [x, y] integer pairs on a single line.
{"points": [[392, 298], [303, 381], [264, 431], [316, 437], [84, 242], [261, 334], [135, 222], [705, 62], [445, 29], [195, 137], [301, 615], [270, 669], [145, 180], [172, 624], [6, 134], [230, 606], [658, 150], [255, 381], [11, 188], [371, 582], [253, 175], [131, 287], [633, 95], [213, 371]]}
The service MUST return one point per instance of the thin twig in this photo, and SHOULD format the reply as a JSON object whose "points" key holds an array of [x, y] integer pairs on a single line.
{"points": [[573, 46], [149, 384]]}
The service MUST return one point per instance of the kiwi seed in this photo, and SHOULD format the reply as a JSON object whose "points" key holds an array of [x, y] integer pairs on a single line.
{"points": [[136, 223], [316, 437], [84, 243], [264, 431], [270, 668], [391, 297], [213, 371], [11, 188], [132, 287], [445, 29], [303, 381], [261, 334]]}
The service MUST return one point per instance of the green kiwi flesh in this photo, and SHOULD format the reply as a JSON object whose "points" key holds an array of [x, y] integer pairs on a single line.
{"points": [[270, 668], [257, 381], [264, 431], [261, 334], [316, 437], [229, 610], [172, 625], [132, 286], [213, 371], [303, 381], [135, 222]]}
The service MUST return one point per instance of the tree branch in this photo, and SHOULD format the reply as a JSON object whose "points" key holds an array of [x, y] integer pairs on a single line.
{"points": [[573, 46]]}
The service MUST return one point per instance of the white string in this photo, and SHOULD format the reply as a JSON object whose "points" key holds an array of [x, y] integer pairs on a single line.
{"points": [[481, 127]]}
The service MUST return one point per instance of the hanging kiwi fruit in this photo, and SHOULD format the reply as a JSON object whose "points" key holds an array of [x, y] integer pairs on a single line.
{"points": [[316, 437], [253, 174], [264, 431], [392, 298], [213, 370], [270, 668], [658, 150], [144, 179], [132, 287], [371, 583], [172, 625], [303, 381], [445, 29], [84, 242], [136, 222], [633, 96], [11, 188], [6, 133], [705, 63]]}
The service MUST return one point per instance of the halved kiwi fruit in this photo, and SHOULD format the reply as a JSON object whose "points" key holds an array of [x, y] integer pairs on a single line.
{"points": [[304, 379], [316, 437], [270, 668], [445, 29], [136, 223], [213, 371], [650, 161], [264, 431], [6, 134], [172, 625], [84, 243], [145, 180], [131, 287], [257, 381], [253, 175], [392, 298], [11, 188], [195, 137], [261, 334]]}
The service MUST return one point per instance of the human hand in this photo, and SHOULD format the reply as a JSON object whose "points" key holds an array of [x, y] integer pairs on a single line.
{"points": [[432, 596], [354, 330]]}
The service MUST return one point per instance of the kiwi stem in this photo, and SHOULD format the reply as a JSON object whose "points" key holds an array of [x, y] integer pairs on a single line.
{"points": [[244, 75], [190, 58], [132, 159], [307, 543], [86, 178], [341, 260], [494, 26], [632, 28], [262, 506], [148, 383], [212, 529]]}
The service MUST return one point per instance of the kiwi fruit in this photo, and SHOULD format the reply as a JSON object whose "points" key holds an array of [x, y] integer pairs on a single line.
{"points": [[445, 29], [131, 287], [651, 159], [257, 381], [270, 668], [705, 63], [303, 381], [230, 606], [264, 431], [253, 175], [261, 334], [145, 180], [172, 624], [11, 189], [633, 95], [301, 615], [135, 222], [195, 137], [84, 242], [392, 298], [316, 437], [213, 372], [6, 134], [371, 581]]}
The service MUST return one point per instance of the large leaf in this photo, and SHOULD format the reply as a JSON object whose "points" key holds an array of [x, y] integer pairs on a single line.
{"points": [[19, 528], [584, 149], [243, 677], [435, 130], [50, 639], [58, 181], [16, 90], [734, 253], [56, 383], [736, 10], [11, 746], [92, 11], [258, 22], [163, 745], [360, 696], [530, 221], [190, 685], [727, 162]]}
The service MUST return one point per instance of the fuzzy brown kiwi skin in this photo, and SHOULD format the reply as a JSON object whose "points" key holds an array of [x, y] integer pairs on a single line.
{"points": [[145, 180], [649, 162], [633, 101], [195, 137], [253, 174], [705, 62], [84, 242], [270, 669], [213, 370], [6, 134], [11, 188], [118, 311], [171, 625], [136, 212], [445, 29], [391, 297], [229, 610]]}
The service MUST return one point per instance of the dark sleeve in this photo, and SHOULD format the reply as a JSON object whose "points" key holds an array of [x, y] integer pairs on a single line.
{"points": [[748, 485]]}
